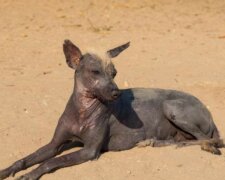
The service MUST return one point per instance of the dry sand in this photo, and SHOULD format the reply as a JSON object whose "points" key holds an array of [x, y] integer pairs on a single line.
{"points": [[175, 44]]}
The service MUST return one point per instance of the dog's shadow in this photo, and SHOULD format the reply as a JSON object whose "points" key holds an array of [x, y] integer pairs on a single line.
{"points": [[123, 111]]}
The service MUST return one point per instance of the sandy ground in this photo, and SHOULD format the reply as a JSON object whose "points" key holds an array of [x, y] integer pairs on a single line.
{"points": [[175, 44]]}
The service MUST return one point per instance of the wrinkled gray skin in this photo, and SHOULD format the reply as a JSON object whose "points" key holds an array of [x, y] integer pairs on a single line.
{"points": [[105, 118]]}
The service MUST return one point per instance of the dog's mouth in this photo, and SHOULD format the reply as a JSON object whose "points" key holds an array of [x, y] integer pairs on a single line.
{"points": [[112, 97], [116, 94]]}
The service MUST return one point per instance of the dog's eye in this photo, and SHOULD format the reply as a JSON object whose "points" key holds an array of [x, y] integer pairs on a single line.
{"points": [[96, 72]]}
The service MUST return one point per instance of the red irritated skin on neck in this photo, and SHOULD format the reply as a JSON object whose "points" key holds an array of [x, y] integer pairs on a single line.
{"points": [[104, 118]]}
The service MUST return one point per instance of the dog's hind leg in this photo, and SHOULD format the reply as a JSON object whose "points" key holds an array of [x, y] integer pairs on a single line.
{"points": [[155, 143], [193, 118]]}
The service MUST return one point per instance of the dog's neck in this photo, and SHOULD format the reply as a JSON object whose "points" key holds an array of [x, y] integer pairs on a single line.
{"points": [[88, 107]]}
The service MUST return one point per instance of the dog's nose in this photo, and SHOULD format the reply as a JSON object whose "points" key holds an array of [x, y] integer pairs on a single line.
{"points": [[116, 93]]}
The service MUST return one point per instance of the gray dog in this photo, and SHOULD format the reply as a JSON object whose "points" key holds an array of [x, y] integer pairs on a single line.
{"points": [[104, 118]]}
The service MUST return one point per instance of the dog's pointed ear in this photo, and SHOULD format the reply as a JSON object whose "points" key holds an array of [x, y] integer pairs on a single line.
{"points": [[72, 54], [116, 51]]}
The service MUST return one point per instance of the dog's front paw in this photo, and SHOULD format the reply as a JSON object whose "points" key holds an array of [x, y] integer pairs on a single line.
{"points": [[4, 174], [25, 177]]}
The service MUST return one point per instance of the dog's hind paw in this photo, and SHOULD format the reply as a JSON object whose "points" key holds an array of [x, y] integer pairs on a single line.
{"points": [[211, 149], [144, 143]]}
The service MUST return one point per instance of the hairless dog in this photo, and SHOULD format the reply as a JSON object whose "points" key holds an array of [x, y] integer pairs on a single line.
{"points": [[104, 118]]}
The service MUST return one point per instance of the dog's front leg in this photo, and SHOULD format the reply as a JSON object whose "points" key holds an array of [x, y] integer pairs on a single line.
{"points": [[74, 158], [93, 141], [44, 153]]}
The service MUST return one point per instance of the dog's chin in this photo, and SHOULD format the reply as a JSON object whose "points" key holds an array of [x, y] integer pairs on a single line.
{"points": [[108, 98], [113, 98]]}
